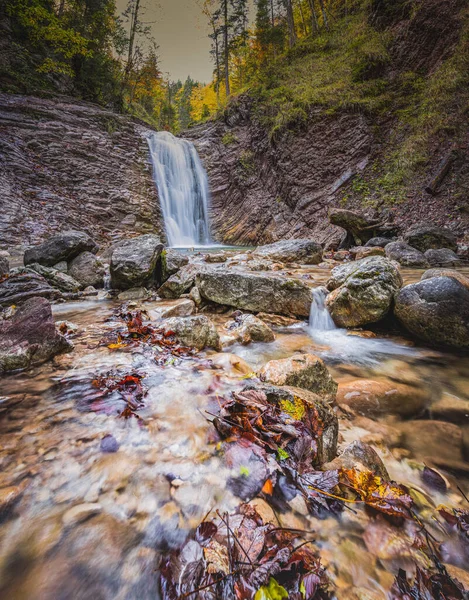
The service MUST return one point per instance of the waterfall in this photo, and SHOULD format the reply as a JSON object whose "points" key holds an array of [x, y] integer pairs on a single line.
{"points": [[182, 187], [319, 317]]}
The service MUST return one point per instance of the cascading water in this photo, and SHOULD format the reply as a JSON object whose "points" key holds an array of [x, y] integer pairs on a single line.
{"points": [[319, 317], [183, 189]]}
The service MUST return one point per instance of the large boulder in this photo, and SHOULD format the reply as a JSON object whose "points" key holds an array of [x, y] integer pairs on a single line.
{"points": [[29, 337], [379, 242], [363, 291], [291, 399], [64, 246], [23, 284], [360, 229], [57, 279], [305, 252], [171, 261], [446, 273], [442, 257], [257, 293], [436, 310], [426, 237], [246, 328], [197, 332], [405, 255], [133, 262], [87, 269], [303, 371]]}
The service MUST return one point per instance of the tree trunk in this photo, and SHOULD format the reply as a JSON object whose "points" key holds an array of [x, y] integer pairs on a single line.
{"points": [[303, 21], [291, 24], [226, 48], [441, 172], [314, 19], [324, 14]]}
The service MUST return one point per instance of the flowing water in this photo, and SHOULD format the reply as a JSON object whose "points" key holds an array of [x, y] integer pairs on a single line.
{"points": [[89, 524], [183, 189]]}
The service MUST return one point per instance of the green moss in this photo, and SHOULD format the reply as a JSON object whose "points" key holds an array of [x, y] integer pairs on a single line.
{"points": [[229, 138], [296, 408]]}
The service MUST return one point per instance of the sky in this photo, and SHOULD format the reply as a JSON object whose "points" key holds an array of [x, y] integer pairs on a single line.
{"points": [[181, 31]]}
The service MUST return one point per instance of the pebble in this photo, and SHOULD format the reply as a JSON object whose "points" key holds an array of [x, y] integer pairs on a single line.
{"points": [[80, 512]]}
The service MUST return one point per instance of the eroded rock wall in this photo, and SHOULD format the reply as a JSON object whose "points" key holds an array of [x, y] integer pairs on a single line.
{"points": [[69, 164]]}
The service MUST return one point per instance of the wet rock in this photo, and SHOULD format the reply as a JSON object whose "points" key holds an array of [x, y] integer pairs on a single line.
{"points": [[447, 273], [362, 291], [29, 337], [179, 308], [215, 258], [362, 457], [249, 291], [436, 310], [247, 328], [380, 242], [81, 512], [198, 332], [374, 398], [260, 265], [435, 442], [442, 257], [364, 252], [232, 364], [303, 371], [133, 262], [23, 284], [277, 320], [406, 255], [8, 497], [171, 262], [4, 266], [288, 396], [57, 279], [137, 293], [306, 252], [109, 444], [64, 246], [379, 433], [179, 283], [426, 237], [195, 296], [87, 269], [451, 408]]}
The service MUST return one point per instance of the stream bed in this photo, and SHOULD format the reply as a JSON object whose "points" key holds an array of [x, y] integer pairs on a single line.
{"points": [[98, 499]]}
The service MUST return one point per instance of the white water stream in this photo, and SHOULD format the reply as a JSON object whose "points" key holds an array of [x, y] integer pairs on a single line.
{"points": [[183, 189]]}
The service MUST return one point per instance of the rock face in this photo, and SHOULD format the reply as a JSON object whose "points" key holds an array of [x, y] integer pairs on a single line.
{"points": [[68, 163], [303, 371], [290, 399], [305, 252], [29, 337], [442, 257], [63, 246], [436, 310], [4, 266], [57, 279], [426, 237], [248, 328], [20, 286], [198, 332], [406, 256], [362, 291], [375, 397], [134, 261], [257, 293], [87, 269]]}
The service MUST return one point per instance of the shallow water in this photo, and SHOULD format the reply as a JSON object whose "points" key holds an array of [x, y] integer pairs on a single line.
{"points": [[168, 472]]}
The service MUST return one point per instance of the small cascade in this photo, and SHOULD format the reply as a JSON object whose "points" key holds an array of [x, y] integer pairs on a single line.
{"points": [[183, 189], [319, 317]]}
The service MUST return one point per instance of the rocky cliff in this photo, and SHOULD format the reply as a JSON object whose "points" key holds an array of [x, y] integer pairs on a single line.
{"points": [[266, 187], [69, 164]]}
